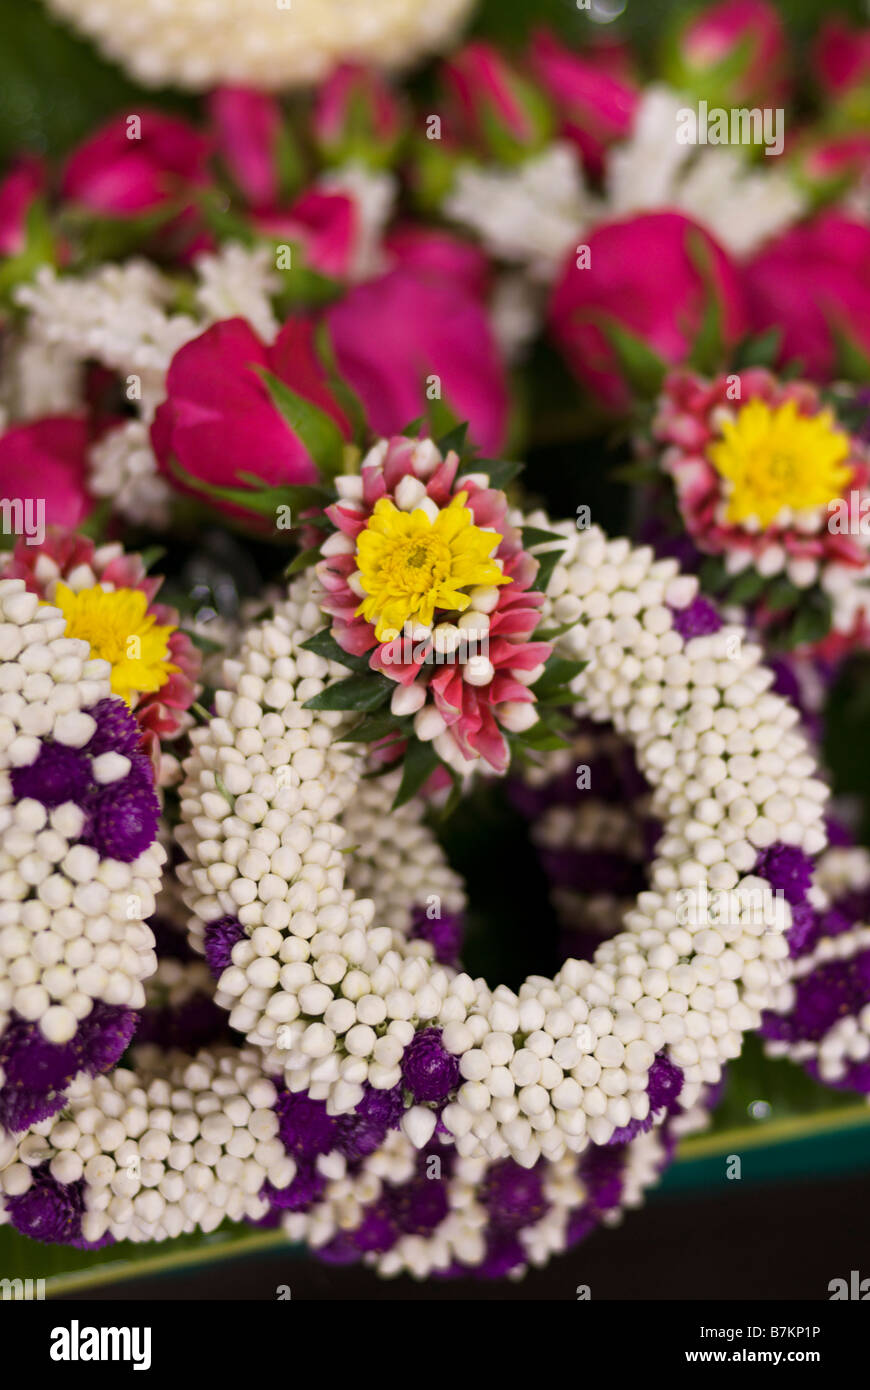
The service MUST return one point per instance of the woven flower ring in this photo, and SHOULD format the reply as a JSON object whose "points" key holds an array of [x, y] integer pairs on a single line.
{"points": [[390, 1106]]}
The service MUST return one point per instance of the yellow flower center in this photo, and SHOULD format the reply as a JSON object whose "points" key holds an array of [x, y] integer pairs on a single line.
{"points": [[120, 630], [409, 565], [776, 458]]}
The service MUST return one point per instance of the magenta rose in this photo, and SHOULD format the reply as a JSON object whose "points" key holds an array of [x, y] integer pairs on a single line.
{"points": [[44, 464], [841, 62], [653, 277], [247, 128], [324, 224], [594, 107], [125, 170], [218, 420], [439, 254], [357, 116], [492, 107], [19, 190], [733, 53], [813, 283], [413, 342]]}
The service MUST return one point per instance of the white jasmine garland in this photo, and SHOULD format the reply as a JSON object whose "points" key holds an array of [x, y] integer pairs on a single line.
{"points": [[567, 1059], [72, 924]]}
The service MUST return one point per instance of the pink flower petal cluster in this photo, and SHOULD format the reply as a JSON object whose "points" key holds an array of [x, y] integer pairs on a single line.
{"points": [[473, 714], [68, 556], [689, 419]]}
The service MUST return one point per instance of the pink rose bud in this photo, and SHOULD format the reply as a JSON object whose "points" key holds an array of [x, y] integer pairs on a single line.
{"points": [[841, 61], [358, 116], [813, 284], [636, 299], [43, 467], [414, 343], [492, 108], [832, 166], [19, 190], [136, 163], [595, 107], [252, 140], [219, 420], [731, 54], [323, 227]]}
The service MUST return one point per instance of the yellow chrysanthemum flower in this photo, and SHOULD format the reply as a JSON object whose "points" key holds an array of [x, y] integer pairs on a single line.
{"points": [[775, 458], [410, 565], [121, 631]]}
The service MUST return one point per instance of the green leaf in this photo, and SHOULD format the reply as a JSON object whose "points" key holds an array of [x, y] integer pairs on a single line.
{"points": [[746, 587], [366, 692], [258, 498], [324, 644], [782, 594], [558, 673], [373, 729], [533, 535], [708, 349], [344, 394], [642, 368], [151, 555], [318, 431], [303, 561], [812, 621], [714, 575], [546, 564], [419, 763], [852, 362], [499, 471], [759, 351], [454, 439]]}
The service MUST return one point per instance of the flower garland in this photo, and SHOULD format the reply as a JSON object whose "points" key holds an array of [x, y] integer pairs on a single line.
{"points": [[528, 1086], [80, 863]]}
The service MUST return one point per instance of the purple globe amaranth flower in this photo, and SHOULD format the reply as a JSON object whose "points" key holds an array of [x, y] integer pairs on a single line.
{"points": [[307, 1186], [50, 1211], [429, 1071], [57, 775], [581, 1223], [377, 1232], [418, 1206], [341, 1250], [117, 730], [124, 814], [786, 868], [513, 1196], [504, 1253], [104, 1035], [444, 933], [37, 1072], [304, 1127], [600, 1169], [365, 1129], [664, 1084], [805, 928], [698, 619], [220, 937]]}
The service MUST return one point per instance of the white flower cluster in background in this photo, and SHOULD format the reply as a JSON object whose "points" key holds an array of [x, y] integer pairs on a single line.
{"points": [[318, 982], [270, 44], [72, 925]]}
